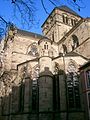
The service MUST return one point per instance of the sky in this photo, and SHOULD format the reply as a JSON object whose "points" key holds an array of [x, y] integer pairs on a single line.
{"points": [[6, 11]]}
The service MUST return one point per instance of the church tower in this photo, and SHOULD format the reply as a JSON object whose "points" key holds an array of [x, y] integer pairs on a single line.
{"points": [[59, 22], [45, 58], [45, 81]]}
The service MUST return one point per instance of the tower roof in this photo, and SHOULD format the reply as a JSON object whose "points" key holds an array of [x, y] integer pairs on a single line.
{"points": [[63, 8], [67, 9]]}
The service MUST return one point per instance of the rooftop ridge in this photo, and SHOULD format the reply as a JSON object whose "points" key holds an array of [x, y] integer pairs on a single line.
{"points": [[69, 10], [27, 33]]}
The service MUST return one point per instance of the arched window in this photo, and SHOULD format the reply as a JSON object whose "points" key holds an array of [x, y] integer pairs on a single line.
{"points": [[46, 46], [73, 86], [32, 49], [35, 75], [88, 78], [65, 18], [75, 42], [21, 94], [73, 22]]}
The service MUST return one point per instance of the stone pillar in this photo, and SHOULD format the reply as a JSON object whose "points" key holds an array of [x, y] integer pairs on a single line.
{"points": [[45, 83], [15, 99], [63, 94], [28, 95]]}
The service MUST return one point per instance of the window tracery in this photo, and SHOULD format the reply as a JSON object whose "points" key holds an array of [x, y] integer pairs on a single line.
{"points": [[35, 76], [32, 49], [73, 86], [88, 78], [35, 73], [23, 72]]}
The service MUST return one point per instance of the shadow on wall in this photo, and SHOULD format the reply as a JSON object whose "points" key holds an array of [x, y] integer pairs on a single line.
{"points": [[41, 99]]}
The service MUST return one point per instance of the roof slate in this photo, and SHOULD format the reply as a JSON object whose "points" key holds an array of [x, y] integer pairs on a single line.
{"points": [[67, 9], [26, 33]]}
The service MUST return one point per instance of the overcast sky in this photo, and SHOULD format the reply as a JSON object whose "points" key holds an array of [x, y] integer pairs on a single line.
{"points": [[40, 15]]}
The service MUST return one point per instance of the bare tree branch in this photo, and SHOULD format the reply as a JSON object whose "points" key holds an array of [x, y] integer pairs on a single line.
{"points": [[25, 9]]}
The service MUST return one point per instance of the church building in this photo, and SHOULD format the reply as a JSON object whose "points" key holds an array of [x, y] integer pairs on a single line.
{"points": [[40, 75]]}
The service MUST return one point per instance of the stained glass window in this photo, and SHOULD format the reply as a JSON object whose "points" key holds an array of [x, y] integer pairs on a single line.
{"points": [[73, 86], [88, 78], [33, 50]]}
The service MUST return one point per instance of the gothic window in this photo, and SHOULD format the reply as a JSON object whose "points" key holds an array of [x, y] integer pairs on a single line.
{"points": [[34, 97], [89, 100], [63, 18], [46, 46], [64, 48], [73, 22], [88, 78], [66, 20], [33, 50], [35, 87], [21, 100], [56, 94], [23, 72], [75, 42], [73, 86], [35, 73]]}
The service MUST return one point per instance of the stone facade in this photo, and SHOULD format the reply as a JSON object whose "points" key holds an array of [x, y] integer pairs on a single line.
{"points": [[85, 80], [39, 78]]}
